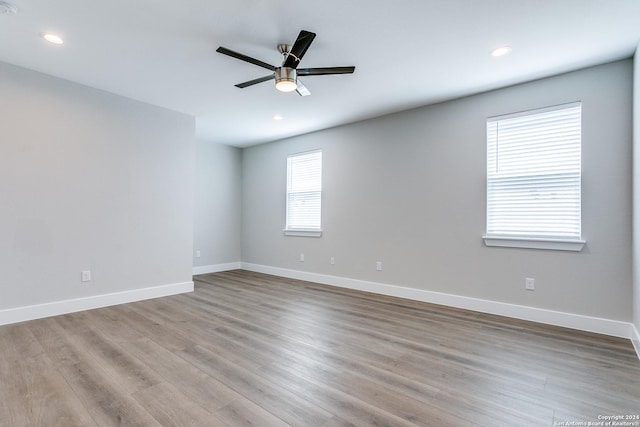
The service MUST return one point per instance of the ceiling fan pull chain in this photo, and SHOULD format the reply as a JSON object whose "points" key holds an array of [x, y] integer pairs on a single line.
{"points": [[294, 57]]}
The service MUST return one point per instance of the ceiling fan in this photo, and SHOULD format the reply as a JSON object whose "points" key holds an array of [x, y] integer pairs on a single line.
{"points": [[286, 75]]}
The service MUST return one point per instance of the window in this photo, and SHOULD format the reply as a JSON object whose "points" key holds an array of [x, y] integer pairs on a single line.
{"points": [[533, 179], [304, 193]]}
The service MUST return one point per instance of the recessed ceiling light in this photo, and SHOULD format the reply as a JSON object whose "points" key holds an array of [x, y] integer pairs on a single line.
{"points": [[277, 117], [52, 38], [7, 8], [501, 51]]}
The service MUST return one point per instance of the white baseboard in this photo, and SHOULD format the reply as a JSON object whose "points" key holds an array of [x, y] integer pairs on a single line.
{"points": [[21, 314], [215, 268], [635, 339], [568, 320]]}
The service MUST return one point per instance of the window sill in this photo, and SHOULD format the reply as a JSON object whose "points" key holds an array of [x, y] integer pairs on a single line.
{"points": [[530, 243], [303, 233]]}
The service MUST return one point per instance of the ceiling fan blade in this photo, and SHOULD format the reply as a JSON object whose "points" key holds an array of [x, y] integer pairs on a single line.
{"points": [[302, 89], [255, 81], [325, 70], [245, 58], [299, 48]]}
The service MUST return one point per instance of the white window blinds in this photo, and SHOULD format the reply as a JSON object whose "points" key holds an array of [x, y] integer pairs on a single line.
{"points": [[304, 191], [533, 174]]}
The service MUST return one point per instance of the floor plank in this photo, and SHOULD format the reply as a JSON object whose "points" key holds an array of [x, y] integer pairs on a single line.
{"points": [[32, 391], [171, 408], [103, 399]]}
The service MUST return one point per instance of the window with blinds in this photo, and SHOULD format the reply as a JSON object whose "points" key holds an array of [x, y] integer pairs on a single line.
{"points": [[304, 194], [533, 179]]}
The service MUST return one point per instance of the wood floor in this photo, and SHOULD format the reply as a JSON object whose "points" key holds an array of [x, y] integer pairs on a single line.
{"points": [[247, 349]]}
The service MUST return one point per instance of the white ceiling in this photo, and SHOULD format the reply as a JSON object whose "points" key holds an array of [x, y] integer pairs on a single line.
{"points": [[407, 53]]}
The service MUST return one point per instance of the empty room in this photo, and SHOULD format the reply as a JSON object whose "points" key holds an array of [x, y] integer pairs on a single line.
{"points": [[265, 213]]}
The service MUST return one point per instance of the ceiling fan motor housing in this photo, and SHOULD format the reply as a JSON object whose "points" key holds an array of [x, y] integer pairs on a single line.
{"points": [[285, 79]]}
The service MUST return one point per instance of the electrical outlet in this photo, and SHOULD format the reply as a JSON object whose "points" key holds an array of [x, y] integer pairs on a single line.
{"points": [[378, 265], [197, 254], [332, 260], [85, 276], [301, 257], [530, 284]]}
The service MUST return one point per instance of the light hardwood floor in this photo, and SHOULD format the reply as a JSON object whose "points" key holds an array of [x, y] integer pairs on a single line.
{"points": [[247, 349]]}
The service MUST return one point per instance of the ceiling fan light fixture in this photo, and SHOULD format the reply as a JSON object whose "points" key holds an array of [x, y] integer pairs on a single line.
{"points": [[286, 86], [286, 79]]}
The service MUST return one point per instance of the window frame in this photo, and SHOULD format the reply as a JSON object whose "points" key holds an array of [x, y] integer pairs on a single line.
{"points": [[301, 231], [524, 240]]}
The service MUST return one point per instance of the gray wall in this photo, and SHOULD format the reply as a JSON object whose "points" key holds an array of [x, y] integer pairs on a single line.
{"points": [[636, 190], [89, 181], [409, 190], [217, 203]]}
